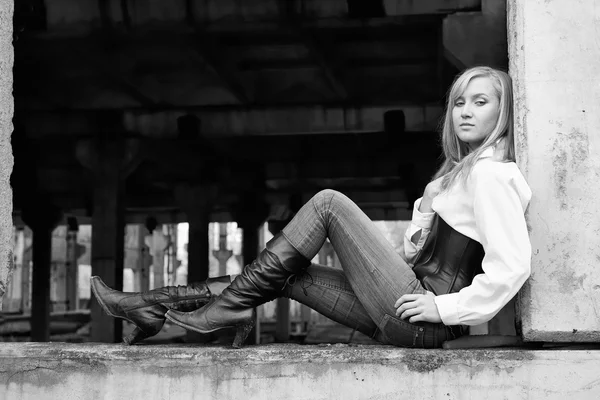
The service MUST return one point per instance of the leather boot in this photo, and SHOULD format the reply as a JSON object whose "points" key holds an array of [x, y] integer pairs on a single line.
{"points": [[146, 310], [259, 282]]}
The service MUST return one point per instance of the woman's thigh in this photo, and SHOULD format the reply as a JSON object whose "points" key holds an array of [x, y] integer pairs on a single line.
{"points": [[377, 274], [327, 291]]}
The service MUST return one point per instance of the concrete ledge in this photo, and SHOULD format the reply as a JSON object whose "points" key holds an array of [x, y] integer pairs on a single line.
{"points": [[100, 371]]}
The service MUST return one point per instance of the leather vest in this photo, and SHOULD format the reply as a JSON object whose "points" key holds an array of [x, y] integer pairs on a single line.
{"points": [[449, 260]]}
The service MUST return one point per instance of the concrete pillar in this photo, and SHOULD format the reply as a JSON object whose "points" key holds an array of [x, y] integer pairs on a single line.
{"points": [[157, 243], [223, 254], [26, 272], [72, 267], [143, 259], [282, 322], [173, 262], [195, 201], [109, 161], [58, 270], [555, 63], [42, 219]]}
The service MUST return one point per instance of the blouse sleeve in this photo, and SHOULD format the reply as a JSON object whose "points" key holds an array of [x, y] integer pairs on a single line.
{"points": [[499, 204], [417, 232]]}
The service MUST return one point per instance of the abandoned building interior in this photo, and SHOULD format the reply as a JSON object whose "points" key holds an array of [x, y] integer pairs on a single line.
{"points": [[161, 143]]}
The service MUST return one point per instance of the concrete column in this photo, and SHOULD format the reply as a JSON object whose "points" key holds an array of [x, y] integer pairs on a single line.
{"points": [[143, 259], [42, 219], [172, 253], [72, 267], [195, 201], [26, 272], [282, 323], [110, 161], [555, 63], [223, 254], [157, 242], [58, 269]]}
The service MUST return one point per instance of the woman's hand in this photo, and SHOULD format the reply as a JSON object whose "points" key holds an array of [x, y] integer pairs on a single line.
{"points": [[418, 307], [432, 189]]}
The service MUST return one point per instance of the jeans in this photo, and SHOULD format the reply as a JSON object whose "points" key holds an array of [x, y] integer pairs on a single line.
{"points": [[374, 276]]}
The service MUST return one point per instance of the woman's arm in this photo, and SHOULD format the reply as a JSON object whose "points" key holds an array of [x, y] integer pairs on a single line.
{"points": [[500, 199], [417, 232], [420, 225]]}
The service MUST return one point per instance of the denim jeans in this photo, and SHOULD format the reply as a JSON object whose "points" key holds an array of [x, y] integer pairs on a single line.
{"points": [[374, 276]]}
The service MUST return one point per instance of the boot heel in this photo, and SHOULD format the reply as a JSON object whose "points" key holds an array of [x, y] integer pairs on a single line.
{"points": [[242, 332], [135, 336]]}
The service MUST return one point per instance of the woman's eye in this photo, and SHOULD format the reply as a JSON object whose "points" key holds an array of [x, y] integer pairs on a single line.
{"points": [[458, 104], [480, 102]]}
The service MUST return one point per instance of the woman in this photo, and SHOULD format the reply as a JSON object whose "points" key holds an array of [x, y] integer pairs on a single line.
{"points": [[467, 247]]}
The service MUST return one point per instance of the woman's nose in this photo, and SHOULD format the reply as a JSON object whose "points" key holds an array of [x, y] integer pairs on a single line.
{"points": [[466, 111]]}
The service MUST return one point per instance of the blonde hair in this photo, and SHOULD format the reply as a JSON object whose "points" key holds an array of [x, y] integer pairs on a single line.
{"points": [[458, 158]]}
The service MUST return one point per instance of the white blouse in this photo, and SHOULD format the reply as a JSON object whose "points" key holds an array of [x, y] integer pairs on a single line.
{"points": [[491, 210]]}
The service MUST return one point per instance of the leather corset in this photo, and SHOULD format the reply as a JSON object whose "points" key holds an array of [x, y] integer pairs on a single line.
{"points": [[449, 260]]}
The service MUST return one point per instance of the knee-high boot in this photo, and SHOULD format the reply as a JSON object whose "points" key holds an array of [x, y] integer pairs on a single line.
{"points": [[146, 310], [259, 282]]}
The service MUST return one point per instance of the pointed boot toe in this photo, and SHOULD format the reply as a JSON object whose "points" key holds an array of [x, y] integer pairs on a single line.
{"points": [[108, 298]]}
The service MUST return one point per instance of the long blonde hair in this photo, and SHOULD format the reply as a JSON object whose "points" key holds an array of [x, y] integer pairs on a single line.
{"points": [[458, 158]]}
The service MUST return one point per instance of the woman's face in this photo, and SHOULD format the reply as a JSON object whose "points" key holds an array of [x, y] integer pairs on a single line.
{"points": [[475, 112]]}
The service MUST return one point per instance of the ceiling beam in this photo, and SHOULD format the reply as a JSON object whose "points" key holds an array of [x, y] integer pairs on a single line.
{"points": [[231, 121], [105, 68], [212, 53], [322, 54]]}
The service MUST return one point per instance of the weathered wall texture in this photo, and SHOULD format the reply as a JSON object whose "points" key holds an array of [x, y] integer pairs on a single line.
{"points": [[6, 158], [554, 49], [96, 371]]}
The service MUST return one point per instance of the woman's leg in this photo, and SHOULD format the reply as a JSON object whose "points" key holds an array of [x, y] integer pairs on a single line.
{"points": [[326, 290], [377, 274]]}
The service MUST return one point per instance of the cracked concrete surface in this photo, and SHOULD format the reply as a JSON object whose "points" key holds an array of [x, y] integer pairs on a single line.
{"points": [[101, 371]]}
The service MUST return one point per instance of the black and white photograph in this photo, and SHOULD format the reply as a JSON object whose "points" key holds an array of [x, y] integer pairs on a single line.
{"points": [[299, 199]]}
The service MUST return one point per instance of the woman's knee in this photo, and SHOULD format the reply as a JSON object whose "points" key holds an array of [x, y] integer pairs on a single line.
{"points": [[328, 193], [325, 198], [328, 199]]}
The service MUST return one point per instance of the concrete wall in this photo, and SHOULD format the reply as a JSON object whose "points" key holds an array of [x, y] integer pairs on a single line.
{"points": [[555, 62], [95, 371], [6, 158]]}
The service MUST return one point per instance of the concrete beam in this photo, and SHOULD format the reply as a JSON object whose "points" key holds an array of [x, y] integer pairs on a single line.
{"points": [[210, 50], [99, 371], [234, 121], [81, 16]]}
